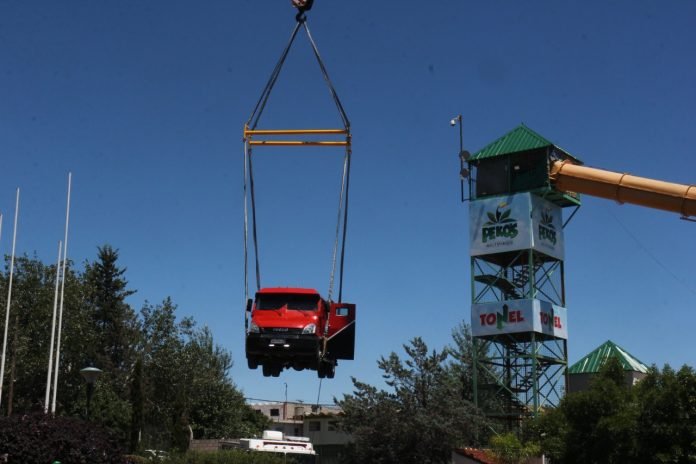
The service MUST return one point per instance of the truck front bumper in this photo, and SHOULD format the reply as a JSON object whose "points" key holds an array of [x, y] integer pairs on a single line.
{"points": [[283, 346]]}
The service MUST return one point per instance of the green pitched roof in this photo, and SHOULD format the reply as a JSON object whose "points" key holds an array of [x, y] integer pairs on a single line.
{"points": [[596, 359], [521, 138]]}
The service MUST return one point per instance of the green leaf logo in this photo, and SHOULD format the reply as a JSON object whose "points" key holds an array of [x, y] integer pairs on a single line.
{"points": [[500, 217], [547, 218]]}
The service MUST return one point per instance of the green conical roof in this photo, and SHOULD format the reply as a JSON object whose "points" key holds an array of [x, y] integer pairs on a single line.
{"points": [[594, 361], [521, 138]]}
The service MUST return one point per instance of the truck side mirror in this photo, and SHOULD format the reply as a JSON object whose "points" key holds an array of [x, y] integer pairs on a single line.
{"points": [[250, 302]]}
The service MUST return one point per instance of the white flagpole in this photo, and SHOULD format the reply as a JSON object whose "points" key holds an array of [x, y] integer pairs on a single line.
{"points": [[53, 331], [9, 298], [62, 294]]}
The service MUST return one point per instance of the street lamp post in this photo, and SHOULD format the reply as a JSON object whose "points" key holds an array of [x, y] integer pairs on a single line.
{"points": [[90, 374], [285, 405], [463, 154]]}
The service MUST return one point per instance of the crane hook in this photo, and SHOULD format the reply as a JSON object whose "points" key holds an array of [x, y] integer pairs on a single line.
{"points": [[302, 6]]}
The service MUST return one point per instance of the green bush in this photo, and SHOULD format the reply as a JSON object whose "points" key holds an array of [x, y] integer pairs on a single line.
{"points": [[508, 449], [41, 439]]}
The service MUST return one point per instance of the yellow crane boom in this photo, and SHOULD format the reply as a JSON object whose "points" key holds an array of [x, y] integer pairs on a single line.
{"points": [[624, 188]]}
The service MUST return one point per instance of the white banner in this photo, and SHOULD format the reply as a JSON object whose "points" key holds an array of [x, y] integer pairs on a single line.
{"points": [[499, 224], [547, 220], [515, 316], [515, 222]]}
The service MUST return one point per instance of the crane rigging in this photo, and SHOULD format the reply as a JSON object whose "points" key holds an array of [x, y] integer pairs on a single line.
{"points": [[297, 327], [302, 6]]}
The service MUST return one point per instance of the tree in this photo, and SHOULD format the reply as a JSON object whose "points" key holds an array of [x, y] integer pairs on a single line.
{"points": [[162, 343], [161, 378], [597, 424], [666, 425], [41, 438], [373, 418], [462, 360], [508, 449], [186, 384], [611, 422], [29, 337], [27, 351], [137, 404], [601, 419], [114, 336], [106, 293], [424, 406], [215, 406], [462, 367]]}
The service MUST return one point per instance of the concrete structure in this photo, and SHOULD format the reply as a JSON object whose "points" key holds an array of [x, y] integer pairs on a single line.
{"points": [[285, 417], [324, 433], [581, 373]]}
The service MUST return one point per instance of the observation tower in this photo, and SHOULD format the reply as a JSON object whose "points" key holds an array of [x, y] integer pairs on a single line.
{"points": [[518, 187], [518, 315]]}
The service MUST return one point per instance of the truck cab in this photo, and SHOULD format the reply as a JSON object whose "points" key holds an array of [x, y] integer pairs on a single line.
{"points": [[296, 328]]}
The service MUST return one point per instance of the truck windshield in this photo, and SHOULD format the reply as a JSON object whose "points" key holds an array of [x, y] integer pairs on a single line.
{"points": [[293, 301]]}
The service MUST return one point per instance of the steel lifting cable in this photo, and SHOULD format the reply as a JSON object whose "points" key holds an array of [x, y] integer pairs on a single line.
{"points": [[325, 73], [341, 220], [248, 170], [249, 190], [246, 239], [345, 224], [261, 104], [253, 222], [346, 172], [345, 178], [319, 396]]}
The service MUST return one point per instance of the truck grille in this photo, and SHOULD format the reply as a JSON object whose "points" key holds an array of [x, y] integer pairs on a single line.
{"points": [[280, 330]]}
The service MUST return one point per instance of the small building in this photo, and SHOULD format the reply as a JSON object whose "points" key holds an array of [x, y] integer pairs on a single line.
{"points": [[285, 417], [319, 423], [471, 456], [324, 432], [580, 373]]}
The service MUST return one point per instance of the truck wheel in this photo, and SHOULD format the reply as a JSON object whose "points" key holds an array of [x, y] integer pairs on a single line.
{"points": [[253, 363], [277, 369], [266, 370], [330, 370], [321, 373]]}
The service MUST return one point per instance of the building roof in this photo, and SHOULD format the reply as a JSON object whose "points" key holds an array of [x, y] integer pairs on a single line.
{"points": [[477, 455], [593, 362], [520, 139]]}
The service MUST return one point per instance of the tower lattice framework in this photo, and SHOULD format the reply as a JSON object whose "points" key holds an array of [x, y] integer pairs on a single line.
{"points": [[518, 313]]}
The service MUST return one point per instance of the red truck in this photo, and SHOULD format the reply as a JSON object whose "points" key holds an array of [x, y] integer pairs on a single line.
{"points": [[296, 327]]}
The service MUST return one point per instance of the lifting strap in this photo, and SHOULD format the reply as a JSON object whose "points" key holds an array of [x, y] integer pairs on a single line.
{"points": [[250, 134]]}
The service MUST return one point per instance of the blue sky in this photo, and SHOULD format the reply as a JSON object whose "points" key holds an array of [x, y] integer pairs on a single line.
{"points": [[145, 102]]}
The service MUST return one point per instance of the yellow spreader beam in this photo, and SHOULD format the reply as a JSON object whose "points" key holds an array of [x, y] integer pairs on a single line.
{"points": [[296, 143], [249, 134], [294, 131]]}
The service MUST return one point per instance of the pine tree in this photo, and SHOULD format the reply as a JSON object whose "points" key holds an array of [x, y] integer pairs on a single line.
{"points": [[424, 405], [114, 319]]}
